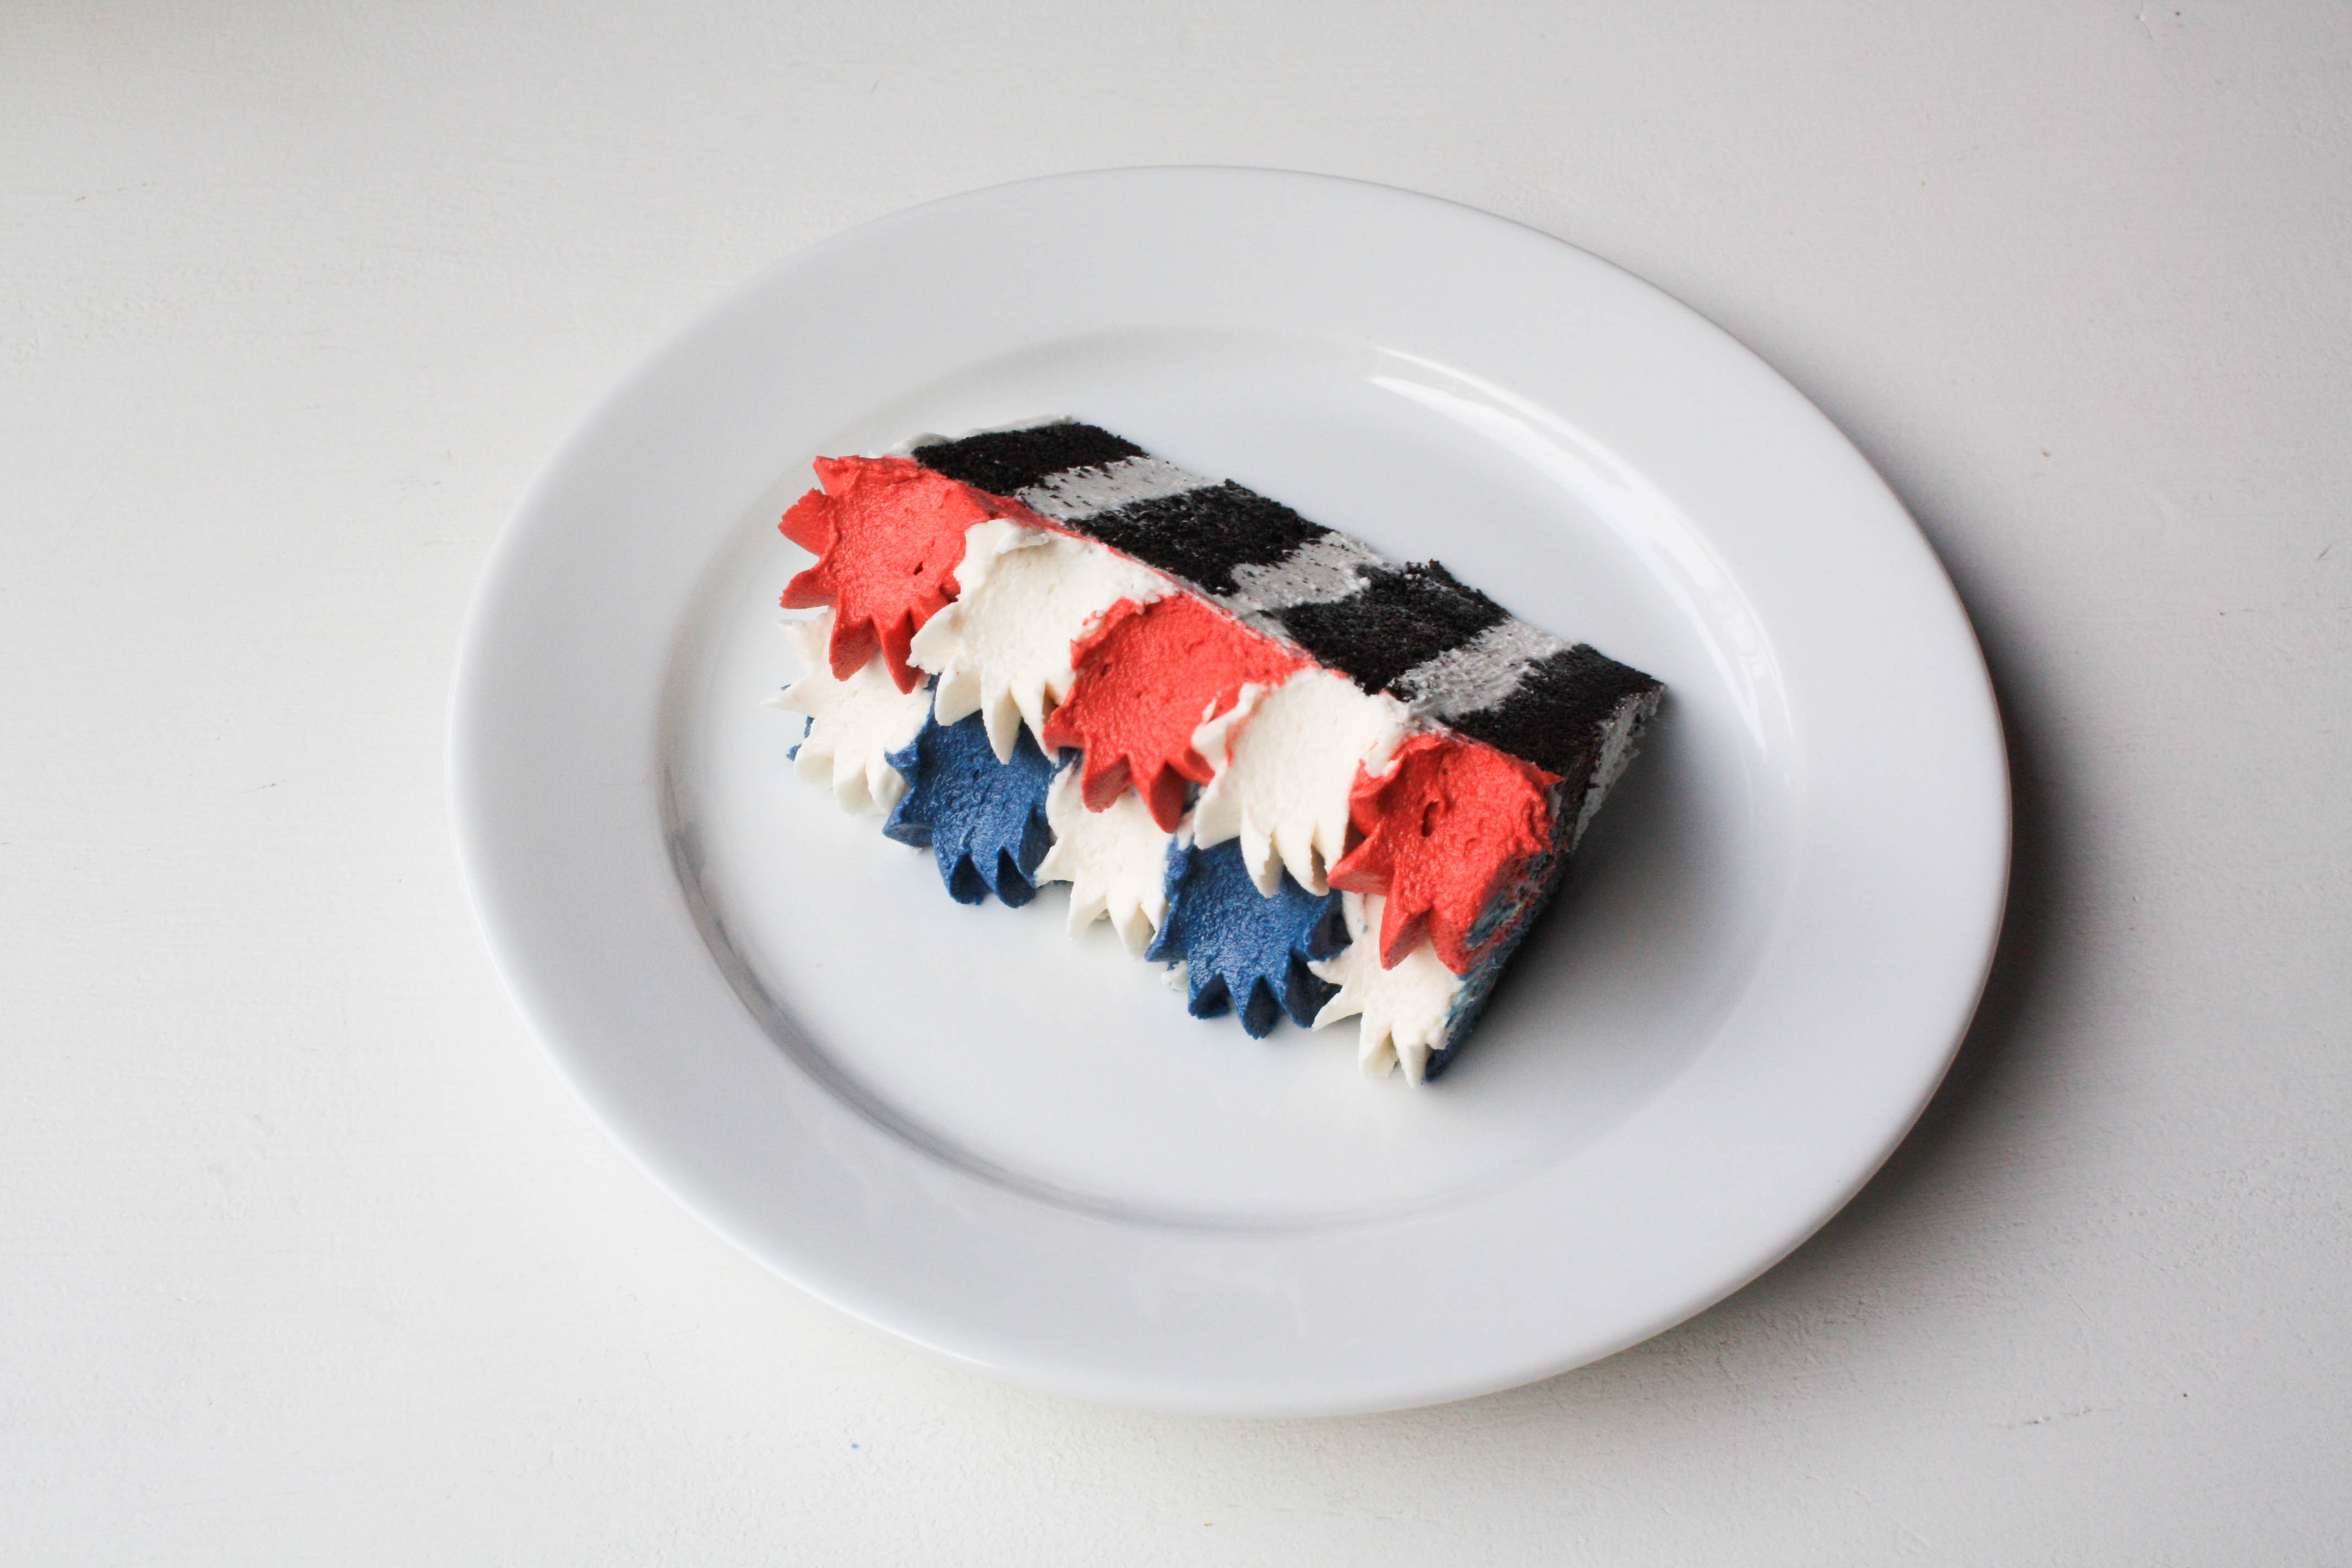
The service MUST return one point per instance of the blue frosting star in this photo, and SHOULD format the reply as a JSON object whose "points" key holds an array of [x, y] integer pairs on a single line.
{"points": [[1237, 943], [983, 821]]}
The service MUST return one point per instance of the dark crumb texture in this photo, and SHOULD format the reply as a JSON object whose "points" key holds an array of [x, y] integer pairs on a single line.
{"points": [[1401, 618], [1554, 718], [1005, 462], [1202, 535]]}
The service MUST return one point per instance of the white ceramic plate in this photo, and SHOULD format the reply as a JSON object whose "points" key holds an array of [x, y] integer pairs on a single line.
{"points": [[1016, 1149]]}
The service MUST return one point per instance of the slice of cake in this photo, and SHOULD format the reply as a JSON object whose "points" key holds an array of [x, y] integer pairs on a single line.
{"points": [[1314, 783]]}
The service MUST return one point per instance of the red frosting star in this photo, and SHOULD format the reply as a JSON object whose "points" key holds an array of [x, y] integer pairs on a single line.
{"points": [[1450, 826], [889, 536], [1147, 678]]}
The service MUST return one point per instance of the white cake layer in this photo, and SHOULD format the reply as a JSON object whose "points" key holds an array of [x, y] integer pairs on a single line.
{"points": [[1480, 673], [1323, 571], [1618, 746], [1085, 492]]}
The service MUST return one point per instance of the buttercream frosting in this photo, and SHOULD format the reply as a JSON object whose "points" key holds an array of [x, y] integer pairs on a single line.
{"points": [[853, 724], [1402, 1009], [887, 535], [1148, 676], [1285, 759], [983, 821], [1001, 649], [1450, 826], [1116, 862], [1243, 951]]}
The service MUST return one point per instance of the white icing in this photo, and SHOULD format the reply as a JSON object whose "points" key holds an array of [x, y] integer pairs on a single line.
{"points": [[1285, 762], [1320, 571], [1003, 648], [1116, 862], [1617, 750], [1402, 1011], [1074, 493], [853, 723], [1479, 674]]}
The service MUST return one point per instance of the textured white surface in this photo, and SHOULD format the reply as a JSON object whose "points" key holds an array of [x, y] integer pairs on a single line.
{"points": [[1286, 761], [1089, 491], [1003, 648], [1401, 1012], [1114, 859], [307, 1256], [850, 726]]}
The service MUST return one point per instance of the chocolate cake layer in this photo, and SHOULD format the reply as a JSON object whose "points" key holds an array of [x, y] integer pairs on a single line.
{"points": [[1398, 620], [1006, 462], [1202, 535]]}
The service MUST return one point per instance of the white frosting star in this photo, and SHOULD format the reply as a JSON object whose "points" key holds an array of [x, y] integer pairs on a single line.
{"points": [[1402, 1011], [1116, 862], [1286, 760], [1003, 648], [853, 723]]}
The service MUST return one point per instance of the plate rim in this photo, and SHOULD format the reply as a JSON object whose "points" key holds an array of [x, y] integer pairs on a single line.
{"points": [[475, 803]]}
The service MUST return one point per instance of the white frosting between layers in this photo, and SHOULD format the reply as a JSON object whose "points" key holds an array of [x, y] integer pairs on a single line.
{"points": [[1286, 760], [1402, 1011], [1003, 648], [853, 723], [1076, 493], [1116, 862]]}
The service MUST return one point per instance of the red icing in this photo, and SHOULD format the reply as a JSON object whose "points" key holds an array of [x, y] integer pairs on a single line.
{"points": [[1452, 825], [889, 535], [1147, 678]]}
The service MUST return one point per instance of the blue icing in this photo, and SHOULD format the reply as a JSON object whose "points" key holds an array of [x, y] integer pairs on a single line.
{"points": [[983, 821], [806, 725], [1236, 943], [1470, 1001]]}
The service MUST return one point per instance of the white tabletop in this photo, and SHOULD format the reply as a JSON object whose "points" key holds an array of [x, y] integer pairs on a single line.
{"points": [[307, 1255]]}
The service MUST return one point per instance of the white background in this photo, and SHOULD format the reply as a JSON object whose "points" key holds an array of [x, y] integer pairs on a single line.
{"points": [[306, 1254]]}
